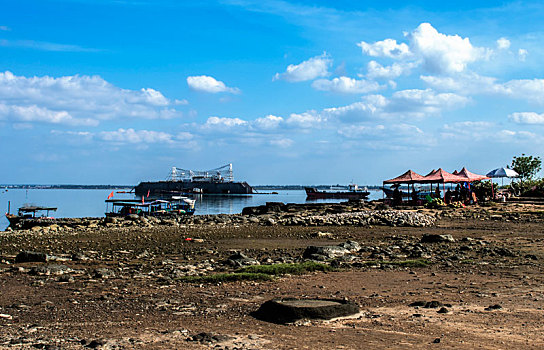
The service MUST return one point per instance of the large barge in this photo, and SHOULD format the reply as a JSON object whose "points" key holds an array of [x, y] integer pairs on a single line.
{"points": [[215, 181]]}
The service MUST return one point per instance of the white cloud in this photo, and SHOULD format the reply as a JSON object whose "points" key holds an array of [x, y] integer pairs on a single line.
{"points": [[522, 54], [136, 136], [270, 122], [140, 138], [45, 46], [470, 84], [34, 113], [377, 71], [346, 85], [469, 125], [385, 48], [509, 136], [503, 44], [435, 52], [306, 120], [489, 132], [282, 143], [184, 136], [77, 100], [402, 104], [224, 125], [358, 131], [527, 118], [440, 53], [421, 103], [181, 102], [315, 67], [209, 84], [354, 112], [389, 137]]}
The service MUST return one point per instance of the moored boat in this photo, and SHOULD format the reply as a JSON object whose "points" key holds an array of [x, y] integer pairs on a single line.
{"points": [[31, 215], [175, 206], [353, 192], [219, 181]]}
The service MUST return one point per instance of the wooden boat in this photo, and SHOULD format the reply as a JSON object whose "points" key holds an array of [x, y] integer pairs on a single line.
{"points": [[31, 215], [389, 192], [176, 206], [353, 192]]}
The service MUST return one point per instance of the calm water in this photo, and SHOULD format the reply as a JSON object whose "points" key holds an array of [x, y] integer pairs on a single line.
{"points": [[90, 203]]}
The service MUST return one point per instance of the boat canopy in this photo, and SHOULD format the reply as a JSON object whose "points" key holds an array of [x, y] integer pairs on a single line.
{"points": [[33, 209]]}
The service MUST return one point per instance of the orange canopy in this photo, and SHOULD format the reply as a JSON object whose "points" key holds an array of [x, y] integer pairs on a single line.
{"points": [[407, 177], [442, 176], [437, 176], [471, 176]]}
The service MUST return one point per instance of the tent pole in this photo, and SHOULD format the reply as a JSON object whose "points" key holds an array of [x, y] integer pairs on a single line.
{"points": [[492, 191]]}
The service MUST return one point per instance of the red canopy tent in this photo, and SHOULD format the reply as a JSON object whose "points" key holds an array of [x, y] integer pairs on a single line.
{"points": [[408, 177], [471, 177], [439, 176], [442, 176]]}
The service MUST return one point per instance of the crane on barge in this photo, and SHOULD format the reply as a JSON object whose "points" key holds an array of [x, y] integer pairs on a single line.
{"points": [[215, 181]]}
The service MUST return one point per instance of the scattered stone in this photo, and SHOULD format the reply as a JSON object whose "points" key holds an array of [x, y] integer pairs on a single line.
{"points": [[95, 343], [238, 260], [103, 272], [419, 303], [324, 253], [48, 270], [443, 310], [352, 246], [322, 234], [290, 310], [208, 338], [433, 304], [493, 307], [434, 238], [436, 341], [28, 256]]}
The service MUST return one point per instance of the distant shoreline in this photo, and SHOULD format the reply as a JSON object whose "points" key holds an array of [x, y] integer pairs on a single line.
{"points": [[65, 187], [128, 187]]}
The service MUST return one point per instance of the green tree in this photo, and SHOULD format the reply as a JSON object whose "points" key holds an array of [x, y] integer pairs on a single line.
{"points": [[526, 166]]}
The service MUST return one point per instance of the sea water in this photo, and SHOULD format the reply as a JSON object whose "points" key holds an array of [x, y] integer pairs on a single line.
{"points": [[90, 203]]}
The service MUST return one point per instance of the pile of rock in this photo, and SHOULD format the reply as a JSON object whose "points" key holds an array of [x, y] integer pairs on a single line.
{"points": [[362, 218]]}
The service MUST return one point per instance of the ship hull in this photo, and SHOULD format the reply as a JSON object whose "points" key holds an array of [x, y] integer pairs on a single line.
{"points": [[171, 187], [312, 193]]}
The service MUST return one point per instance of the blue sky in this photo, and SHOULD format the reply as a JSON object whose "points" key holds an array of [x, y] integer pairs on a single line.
{"points": [[289, 92]]}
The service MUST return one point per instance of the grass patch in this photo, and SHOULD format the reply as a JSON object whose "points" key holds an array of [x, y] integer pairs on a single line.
{"points": [[258, 273], [467, 261], [283, 269], [403, 263], [227, 277]]}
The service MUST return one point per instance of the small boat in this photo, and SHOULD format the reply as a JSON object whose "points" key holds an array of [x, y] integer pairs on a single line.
{"points": [[420, 194], [389, 192], [176, 206], [353, 192], [31, 215]]}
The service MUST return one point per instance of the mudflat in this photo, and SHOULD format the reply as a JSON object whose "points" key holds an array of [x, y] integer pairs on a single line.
{"points": [[473, 279]]}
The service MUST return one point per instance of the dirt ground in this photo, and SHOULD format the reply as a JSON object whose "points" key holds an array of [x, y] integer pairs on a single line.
{"points": [[113, 288]]}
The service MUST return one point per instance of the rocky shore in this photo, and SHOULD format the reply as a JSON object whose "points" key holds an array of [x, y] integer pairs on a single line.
{"points": [[357, 213], [417, 275]]}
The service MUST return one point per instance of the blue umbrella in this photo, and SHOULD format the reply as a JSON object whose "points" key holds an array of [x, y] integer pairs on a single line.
{"points": [[502, 173]]}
